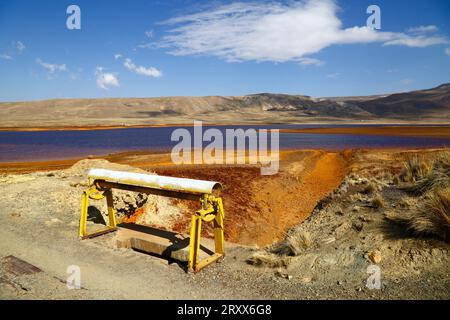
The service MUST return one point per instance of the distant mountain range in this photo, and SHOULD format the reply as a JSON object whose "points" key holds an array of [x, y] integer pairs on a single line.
{"points": [[431, 105]]}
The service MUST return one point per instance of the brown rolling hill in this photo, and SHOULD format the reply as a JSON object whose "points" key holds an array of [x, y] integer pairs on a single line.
{"points": [[432, 105], [412, 105]]}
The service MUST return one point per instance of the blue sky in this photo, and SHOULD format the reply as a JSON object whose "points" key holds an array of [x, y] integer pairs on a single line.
{"points": [[195, 48]]}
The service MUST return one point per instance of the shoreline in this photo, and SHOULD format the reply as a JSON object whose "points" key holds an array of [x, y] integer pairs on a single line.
{"points": [[354, 125], [148, 158], [431, 131]]}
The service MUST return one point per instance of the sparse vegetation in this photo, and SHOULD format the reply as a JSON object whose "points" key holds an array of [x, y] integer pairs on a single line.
{"points": [[294, 244], [431, 181], [280, 253], [438, 178], [377, 202], [370, 188], [396, 180], [414, 168], [431, 218], [298, 242]]}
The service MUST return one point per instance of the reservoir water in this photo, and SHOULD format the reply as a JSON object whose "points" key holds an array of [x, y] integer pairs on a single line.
{"points": [[53, 145]]}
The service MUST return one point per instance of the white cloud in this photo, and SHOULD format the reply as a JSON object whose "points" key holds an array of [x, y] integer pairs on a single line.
{"points": [[149, 72], [273, 32], [5, 56], [417, 41], [51, 68], [117, 56], [19, 46], [447, 51], [332, 75], [310, 61], [149, 33], [423, 29], [105, 80]]}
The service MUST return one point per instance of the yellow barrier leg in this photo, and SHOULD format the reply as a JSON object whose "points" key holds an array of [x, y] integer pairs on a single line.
{"points": [[84, 213], [194, 242], [218, 228], [83, 232], [111, 211]]}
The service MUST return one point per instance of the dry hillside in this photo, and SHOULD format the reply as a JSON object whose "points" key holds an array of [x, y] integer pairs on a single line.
{"points": [[426, 105]]}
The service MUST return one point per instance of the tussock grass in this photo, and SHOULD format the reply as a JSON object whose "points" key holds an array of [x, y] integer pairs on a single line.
{"points": [[431, 218], [414, 168], [377, 202], [294, 244], [438, 177], [370, 188], [298, 242], [280, 254]]}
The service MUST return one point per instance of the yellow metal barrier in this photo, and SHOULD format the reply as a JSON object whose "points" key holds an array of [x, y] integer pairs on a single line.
{"points": [[101, 182]]}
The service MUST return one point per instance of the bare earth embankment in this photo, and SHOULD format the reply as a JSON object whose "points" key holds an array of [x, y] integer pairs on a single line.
{"points": [[327, 197]]}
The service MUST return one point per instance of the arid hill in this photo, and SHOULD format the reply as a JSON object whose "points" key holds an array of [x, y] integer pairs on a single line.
{"points": [[412, 105], [431, 105]]}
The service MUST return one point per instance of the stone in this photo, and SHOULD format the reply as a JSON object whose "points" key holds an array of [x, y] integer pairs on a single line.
{"points": [[342, 229], [329, 240], [375, 256], [306, 279], [52, 221]]}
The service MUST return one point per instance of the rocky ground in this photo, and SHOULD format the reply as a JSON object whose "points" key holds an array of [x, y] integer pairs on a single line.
{"points": [[345, 241]]}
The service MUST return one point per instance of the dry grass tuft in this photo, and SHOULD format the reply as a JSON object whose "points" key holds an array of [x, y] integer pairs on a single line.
{"points": [[414, 168], [294, 244], [438, 178], [280, 254], [377, 202], [370, 188], [396, 180], [431, 218], [298, 242]]}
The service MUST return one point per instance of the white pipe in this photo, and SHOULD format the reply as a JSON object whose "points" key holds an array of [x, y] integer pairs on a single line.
{"points": [[155, 181]]}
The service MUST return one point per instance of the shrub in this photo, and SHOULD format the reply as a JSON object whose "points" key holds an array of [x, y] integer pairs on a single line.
{"points": [[431, 218]]}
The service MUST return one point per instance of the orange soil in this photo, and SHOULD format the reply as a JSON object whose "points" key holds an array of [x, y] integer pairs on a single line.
{"points": [[109, 127], [260, 209], [84, 128], [134, 217], [413, 131], [290, 200]]}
